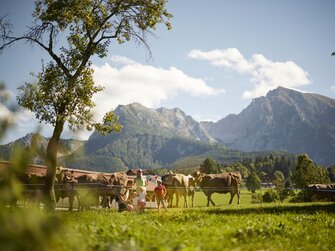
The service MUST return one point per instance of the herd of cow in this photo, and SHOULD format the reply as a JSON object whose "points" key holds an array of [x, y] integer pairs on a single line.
{"points": [[100, 189]]}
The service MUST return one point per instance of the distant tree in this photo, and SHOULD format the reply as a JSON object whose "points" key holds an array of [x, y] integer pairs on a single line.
{"points": [[209, 166], [279, 182], [307, 172], [253, 182], [243, 170], [331, 173], [279, 176], [64, 89]]}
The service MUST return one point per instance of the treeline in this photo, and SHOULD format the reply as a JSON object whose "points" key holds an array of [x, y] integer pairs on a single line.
{"points": [[266, 167]]}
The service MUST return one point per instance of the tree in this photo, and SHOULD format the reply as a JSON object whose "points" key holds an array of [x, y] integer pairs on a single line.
{"points": [[64, 89], [331, 173], [253, 182], [279, 182], [307, 172], [209, 166]]}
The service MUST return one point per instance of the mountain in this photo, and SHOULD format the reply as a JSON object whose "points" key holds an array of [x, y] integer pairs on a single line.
{"points": [[151, 138], [283, 120], [138, 119], [66, 147]]}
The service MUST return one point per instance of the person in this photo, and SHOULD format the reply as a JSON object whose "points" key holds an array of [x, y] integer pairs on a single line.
{"points": [[134, 200], [160, 192], [141, 202], [140, 180]]}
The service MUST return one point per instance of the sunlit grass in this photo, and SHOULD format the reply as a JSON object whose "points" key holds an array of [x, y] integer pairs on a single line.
{"points": [[304, 226]]}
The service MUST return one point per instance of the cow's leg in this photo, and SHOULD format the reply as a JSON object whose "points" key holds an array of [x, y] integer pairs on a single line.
{"points": [[78, 199], [238, 196], [210, 198], [232, 194], [171, 199], [186, 200], [192, 198], [71, 199]]}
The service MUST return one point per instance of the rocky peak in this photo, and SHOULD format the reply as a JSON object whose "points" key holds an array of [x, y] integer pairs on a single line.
{"points": [[170, 122], [282, 120]]}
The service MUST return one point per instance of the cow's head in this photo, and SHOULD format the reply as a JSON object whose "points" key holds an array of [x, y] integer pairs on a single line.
{"points": [[167, 179], [197, 176], [191, 181]]}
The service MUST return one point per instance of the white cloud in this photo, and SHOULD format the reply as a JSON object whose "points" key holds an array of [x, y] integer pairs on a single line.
{"points": [[126, 82], [148, 85], [263, 73], [332, 88], [122, 60], [4, 112]]}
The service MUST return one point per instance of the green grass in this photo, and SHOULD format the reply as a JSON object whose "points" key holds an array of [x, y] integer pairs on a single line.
{"points": [[287, 226]]}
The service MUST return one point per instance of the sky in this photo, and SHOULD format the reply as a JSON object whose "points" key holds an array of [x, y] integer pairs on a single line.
{"points": [[219, 55]]}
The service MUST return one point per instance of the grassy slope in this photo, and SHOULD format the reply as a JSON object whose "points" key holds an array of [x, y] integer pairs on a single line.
{"points": [[236, 227]]}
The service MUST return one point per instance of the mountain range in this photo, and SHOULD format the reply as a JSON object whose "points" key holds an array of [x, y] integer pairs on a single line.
{"points": [[284, 121]]}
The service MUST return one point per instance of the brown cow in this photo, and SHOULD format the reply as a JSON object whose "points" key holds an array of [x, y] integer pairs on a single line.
{"points": [[64, 187], [90, 187], [316, 192], [32, 188], [219, 183], [118, 183]]}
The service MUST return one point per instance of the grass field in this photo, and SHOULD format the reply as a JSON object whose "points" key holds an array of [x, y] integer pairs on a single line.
{"points": [[286, 226]]}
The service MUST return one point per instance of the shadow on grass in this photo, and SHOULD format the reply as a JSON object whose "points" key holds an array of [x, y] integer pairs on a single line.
{"points": [[276, 209]]}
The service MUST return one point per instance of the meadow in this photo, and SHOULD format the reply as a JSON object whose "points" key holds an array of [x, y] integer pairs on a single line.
{"points": [[275, 226]]}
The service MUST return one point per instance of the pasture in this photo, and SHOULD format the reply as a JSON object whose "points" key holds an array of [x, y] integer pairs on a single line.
{"points": [[286, 226]]}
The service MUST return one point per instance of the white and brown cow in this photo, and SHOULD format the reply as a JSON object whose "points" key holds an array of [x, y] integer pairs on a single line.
{"points": [[219, 183], [180, 185]]}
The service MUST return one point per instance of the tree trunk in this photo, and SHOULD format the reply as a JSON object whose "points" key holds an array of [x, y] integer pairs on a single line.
{"points": [[50, 198]]}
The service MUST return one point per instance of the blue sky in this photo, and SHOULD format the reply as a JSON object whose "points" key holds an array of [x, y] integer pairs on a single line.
{"points": [[218, 57]]}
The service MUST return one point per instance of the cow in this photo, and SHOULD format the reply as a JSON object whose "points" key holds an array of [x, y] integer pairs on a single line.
{"points": [[64, 187], [316, 192], [90, 187], [118, 184], [219, 183], [33, 189], [32, 186], [179, 185], [170, 191]]}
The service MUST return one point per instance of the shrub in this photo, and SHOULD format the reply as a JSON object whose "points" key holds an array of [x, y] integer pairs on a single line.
{"points": [[298, 197], [256, 198], [270, 196]]}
